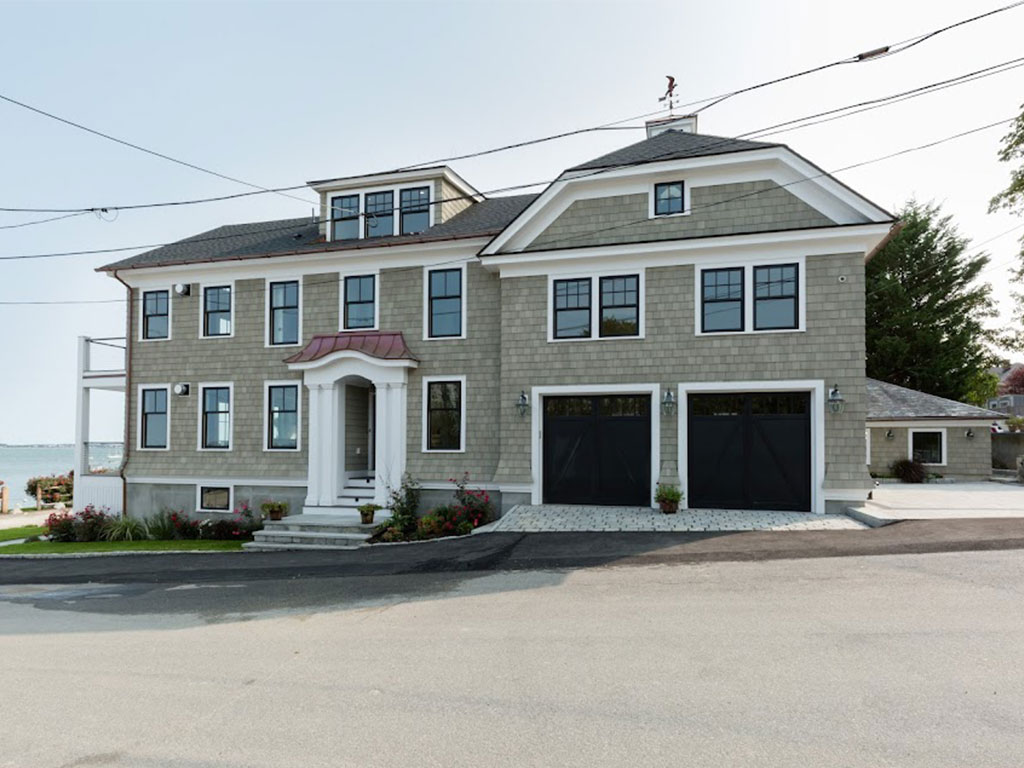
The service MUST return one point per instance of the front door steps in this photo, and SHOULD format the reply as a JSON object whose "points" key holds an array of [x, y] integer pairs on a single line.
{"points": [[334, 527]]}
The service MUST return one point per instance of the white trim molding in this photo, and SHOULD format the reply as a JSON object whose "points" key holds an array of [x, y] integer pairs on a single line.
{"points": [[595, 302], [537, 395], [426, 299], [297, 383], [267, 325], [260, 482], [201, 389], [345, 275], [202, 307], [142, 310], [231, 497], [748, 266], [928, 430], [427, 381], [139, 415], [816, 387]]}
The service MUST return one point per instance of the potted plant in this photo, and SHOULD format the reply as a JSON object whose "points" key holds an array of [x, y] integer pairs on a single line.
{"points": [[668, 497], [366, 512], [275, 510]]}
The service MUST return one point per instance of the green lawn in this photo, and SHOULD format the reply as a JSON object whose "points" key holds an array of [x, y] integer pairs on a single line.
{"points": [[56, 547], [21, 532]]}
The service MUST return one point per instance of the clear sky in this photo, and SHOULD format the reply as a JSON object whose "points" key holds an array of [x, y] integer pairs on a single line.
{"points": [[279, 93]]}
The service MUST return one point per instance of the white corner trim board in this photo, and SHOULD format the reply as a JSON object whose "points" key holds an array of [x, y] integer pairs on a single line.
{"points": [[818, 414]]}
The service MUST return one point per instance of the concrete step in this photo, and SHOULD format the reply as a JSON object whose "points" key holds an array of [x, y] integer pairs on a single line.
{"points": [[329, 538], [358, 492], [267, 546], [341, 524]]}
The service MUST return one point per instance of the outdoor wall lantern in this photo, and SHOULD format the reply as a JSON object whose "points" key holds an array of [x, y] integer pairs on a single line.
{"points": [[182, 289], [889, 435], [522, 403], [181, 389], [668, 403], [836, 403], [969, 434]]}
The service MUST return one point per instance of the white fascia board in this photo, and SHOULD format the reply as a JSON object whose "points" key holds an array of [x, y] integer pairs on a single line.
{"points": [[361, 183], [767, 246], [778, 164], [312, 263], [930, 423]]}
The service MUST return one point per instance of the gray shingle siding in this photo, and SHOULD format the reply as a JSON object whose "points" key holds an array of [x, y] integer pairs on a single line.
{"points": [[967, 458]]}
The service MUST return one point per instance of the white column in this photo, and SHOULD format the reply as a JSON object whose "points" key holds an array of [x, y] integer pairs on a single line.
{"points": [[338, 449], [82, 409], [382, 438], [328, 445], [313, 438]]}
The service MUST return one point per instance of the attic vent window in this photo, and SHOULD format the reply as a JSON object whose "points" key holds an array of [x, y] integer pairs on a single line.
{"points": [[668, 199]]}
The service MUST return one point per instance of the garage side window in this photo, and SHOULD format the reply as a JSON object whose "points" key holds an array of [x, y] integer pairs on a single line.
{"points": [[722, 300], [444, 416], [927, 447], [572, 309]]}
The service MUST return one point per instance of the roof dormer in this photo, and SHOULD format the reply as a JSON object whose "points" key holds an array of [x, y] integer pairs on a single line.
{"points": [[406, 202]]}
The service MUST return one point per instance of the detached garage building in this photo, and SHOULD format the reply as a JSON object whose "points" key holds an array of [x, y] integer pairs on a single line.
{"points": [[950, 438]]}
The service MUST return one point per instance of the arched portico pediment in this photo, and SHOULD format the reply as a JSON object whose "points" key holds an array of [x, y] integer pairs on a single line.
{"points": [[382, 358]]}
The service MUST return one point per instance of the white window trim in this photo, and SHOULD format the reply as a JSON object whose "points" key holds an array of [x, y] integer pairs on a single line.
{"points": [[867, 438], [376, 299], [297, 383], [595, 302], [142, 311], [202, 307], [651, 200], [945, 445], [427, 380], [537, 395], [138, 416], [396, 206], [268, 330], [201, 387], [748, 265], [426, 300], [231, 498]]}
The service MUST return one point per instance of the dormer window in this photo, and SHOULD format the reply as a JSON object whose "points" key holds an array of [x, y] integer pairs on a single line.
{"points": [[668, 199], [345, 217], [380, 214], [414, 210]]}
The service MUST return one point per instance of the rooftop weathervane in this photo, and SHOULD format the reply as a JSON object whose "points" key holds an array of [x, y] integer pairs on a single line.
{"points": [[670, 94]]}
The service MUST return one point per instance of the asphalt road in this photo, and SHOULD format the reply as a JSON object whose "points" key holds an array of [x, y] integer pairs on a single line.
{"points": [[900, 660]]}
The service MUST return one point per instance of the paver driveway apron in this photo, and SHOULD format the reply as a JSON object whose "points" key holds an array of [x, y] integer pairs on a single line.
{"points": [[543, 518]]}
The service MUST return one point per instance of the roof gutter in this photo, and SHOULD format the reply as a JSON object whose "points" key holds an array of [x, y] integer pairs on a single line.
{"points": [[894, 230]]}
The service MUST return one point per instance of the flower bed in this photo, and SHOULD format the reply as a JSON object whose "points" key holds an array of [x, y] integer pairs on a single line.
{"points": [[470, 509], [93, 524]]}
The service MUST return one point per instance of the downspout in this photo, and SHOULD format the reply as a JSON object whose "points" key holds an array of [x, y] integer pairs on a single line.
{"points": [[127, 395]]}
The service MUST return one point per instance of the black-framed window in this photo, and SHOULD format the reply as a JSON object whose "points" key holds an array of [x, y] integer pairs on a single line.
{"points": [[215, 499], [156, 314], [284, 312], [217, 310], [359, 301], [154, 418], [444, 415], [668, 198], [414, 210], [572, 308], [776, 291], [722, 300], [926, 447], [444, 313], [345, 217], [216, 417], [283, 416], [379, 213], [620, 306]]}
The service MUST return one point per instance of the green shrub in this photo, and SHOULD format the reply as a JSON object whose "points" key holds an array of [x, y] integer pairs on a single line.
{"points": [[53, 488], [160, 526], [60, 526], [403, 503], [908, 470], [668, 493], [89, 524], [124, 528]]}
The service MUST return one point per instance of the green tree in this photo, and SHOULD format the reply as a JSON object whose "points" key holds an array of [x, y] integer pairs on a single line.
{"points": [[983, 387], [1012, 199], [925, 313]]}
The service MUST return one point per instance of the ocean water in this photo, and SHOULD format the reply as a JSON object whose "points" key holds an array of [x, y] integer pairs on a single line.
{"points": [[18, 463]]}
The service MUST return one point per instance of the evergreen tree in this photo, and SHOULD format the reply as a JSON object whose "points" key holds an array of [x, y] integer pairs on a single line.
{"points": [[925, 314], [1012, 199]]}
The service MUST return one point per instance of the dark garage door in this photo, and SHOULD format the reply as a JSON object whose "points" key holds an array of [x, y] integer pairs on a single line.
{"points": [[750, 451], [597, 450]]}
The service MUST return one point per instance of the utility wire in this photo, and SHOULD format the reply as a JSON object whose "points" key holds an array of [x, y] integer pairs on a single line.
{"points": [[44, 221]]}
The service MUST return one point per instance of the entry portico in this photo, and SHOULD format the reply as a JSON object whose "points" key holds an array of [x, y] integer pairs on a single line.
{"points": [[329, 363]]}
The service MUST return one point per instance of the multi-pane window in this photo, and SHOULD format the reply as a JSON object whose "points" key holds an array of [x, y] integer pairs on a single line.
{"points": [[775, 297], [414, 210], [359, 301], [284, 312], [215, 499], [379, 211], [217, 311], [154, 418], [216, 417], [444, 416], [345, 217], [444, 314], [572, 308], [926, 447], [668, 198], [283, 417], [155, 315], [620, 306], [722, 300]]}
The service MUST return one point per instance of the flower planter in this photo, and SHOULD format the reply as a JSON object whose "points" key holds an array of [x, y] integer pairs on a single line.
{"points": [[366, 518], [277, 514], [669, 507]]}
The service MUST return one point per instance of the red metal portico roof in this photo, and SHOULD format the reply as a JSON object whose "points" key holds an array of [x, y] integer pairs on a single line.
{"points": [[384, 345]]}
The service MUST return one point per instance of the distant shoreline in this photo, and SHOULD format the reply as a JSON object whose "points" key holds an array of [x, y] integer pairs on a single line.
{"points": [[55, 445]]}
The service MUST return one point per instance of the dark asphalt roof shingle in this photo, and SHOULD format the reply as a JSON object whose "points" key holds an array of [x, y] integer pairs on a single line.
{"points": [[291, 236], [671, 145], [889, 402]]}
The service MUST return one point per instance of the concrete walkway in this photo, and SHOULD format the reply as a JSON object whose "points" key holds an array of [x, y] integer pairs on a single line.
{"points": [[943, 501], [12, 520], [563, 518]]}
